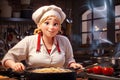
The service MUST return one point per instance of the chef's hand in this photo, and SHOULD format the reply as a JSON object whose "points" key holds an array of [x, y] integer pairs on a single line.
{"points": [[76, 65], [18, 67]]}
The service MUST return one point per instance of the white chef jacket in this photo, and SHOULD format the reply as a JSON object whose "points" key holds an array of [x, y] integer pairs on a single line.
{"points": [[26, 50]]}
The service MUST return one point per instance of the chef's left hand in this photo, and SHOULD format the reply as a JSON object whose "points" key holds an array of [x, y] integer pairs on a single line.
{"points": [[76, 65]]}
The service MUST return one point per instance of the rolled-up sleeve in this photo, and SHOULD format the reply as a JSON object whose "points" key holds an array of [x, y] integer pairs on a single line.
{"points": [[18, 52], [69, 53], [69, 57]]}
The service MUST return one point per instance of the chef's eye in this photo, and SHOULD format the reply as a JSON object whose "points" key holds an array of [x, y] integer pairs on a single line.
{"points": [[56, 24], [46, 23]]}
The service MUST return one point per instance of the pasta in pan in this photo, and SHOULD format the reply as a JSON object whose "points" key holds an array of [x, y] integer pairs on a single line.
{"points": [[51, 70]]}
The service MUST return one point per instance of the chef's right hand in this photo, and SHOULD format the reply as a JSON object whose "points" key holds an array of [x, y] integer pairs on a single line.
{"points": [[18, 67]]}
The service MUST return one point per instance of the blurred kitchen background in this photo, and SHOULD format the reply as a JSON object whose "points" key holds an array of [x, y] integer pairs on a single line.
{"points": [[92, 26]]}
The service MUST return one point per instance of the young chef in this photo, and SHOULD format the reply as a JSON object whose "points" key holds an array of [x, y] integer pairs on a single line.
{"points": [[46, 48]]}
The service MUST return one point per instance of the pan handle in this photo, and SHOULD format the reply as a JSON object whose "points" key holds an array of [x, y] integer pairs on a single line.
{"points": [[95, 64], [74, 69]]}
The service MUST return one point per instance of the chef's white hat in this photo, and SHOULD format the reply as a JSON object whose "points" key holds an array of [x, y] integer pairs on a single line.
{"points": [[46, 11]]}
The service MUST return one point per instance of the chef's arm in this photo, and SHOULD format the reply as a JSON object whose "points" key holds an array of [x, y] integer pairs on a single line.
{"points": [[16, 66]]}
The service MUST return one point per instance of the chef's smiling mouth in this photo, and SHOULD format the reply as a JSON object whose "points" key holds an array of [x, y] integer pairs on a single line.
{"points": [[51, 31]]}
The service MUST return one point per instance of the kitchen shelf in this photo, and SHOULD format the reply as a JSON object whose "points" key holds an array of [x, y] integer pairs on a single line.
{"points": [[16, 20]]}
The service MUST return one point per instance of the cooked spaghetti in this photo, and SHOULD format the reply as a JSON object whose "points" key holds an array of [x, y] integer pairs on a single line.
{"points": [[51, 70]]}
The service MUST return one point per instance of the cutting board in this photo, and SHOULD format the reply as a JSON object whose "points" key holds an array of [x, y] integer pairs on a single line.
{"points": [[4, 77]]}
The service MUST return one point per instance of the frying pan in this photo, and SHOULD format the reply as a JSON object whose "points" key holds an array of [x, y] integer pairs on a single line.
{"points": [[50, 76], [55, 76]]}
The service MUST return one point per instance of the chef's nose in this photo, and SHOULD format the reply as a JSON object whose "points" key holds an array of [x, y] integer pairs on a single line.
{"points": [[51, 26]]}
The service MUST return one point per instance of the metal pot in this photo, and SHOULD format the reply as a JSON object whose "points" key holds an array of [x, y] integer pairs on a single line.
{"points": [[50, 76], [26, 13], [107, 61], [115, 61]]}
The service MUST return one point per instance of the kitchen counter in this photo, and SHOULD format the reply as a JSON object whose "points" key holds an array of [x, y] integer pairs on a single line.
{"points": [[102, 77], [88, 76], [80, 76]]}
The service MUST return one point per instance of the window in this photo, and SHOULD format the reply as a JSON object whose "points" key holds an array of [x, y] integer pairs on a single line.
{"points": [[117, 23], [94, 24]]}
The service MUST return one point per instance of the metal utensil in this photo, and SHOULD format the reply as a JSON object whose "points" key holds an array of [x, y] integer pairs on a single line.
{"points": [[69, 19]]}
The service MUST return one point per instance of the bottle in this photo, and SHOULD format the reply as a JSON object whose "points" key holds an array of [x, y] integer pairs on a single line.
{"points": [[88, 40]]}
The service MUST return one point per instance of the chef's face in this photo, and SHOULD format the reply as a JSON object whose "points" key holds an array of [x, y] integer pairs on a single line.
{"points": [[50, 27]]}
